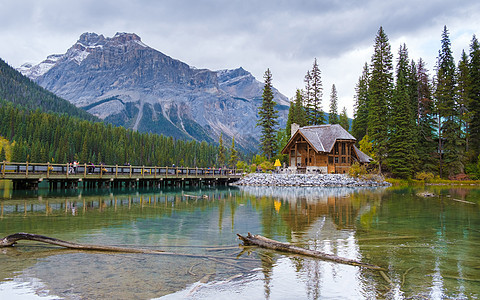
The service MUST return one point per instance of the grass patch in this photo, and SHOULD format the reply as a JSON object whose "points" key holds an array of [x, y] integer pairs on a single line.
{"points": [[434, 181]]}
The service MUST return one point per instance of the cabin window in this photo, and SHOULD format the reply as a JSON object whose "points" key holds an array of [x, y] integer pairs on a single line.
{"points": [[336, 160], [343, 159], [330, 160], [343, 149], [335, 148], [310, 160]]}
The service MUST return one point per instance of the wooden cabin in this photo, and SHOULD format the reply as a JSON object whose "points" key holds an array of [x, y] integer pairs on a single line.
{"points": [[322, 149]]}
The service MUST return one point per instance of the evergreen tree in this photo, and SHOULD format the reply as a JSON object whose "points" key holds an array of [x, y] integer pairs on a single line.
{"points": [[307, 99], [333, 113], [360, 121], [343, 119], [401, 157], [474, 100], [282, 140], [233, 155], [317, 116], [221, 151], [3, 156], [380, 90], [290, 118], [462, 97], [426, 123], [299, 111], [268, 118], [447, 109]]}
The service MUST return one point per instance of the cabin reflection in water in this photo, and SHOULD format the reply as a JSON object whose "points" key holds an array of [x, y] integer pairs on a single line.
{"points": [[307, 204]]}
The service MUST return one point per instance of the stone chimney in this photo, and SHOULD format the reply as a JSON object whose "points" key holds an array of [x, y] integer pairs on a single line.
{"points": [[294, 128]]}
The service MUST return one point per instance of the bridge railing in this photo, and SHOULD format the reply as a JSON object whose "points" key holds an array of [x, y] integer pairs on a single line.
{"points": [[50, 170]]}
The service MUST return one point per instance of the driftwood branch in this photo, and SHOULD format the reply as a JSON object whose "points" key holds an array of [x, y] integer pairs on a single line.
{"points": [[12, 239], [264, 242]]}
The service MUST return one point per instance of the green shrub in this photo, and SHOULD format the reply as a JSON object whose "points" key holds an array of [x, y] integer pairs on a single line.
{"points": [[356, 170], [424, 176], [267, 166]]}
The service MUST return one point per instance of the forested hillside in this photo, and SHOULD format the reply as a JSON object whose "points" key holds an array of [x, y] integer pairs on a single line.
{"points": [[19, 90], [40, 137]]}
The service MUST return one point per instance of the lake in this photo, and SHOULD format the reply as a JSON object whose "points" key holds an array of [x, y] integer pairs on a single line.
{"points": [[429, 246]]}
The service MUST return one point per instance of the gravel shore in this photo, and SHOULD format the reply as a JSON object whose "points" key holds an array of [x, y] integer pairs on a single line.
{"points": [[263, 179]]}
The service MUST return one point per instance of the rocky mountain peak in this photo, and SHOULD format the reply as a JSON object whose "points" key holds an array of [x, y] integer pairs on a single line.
{"points": [[124, 37], [91, 39], [125, 82]]}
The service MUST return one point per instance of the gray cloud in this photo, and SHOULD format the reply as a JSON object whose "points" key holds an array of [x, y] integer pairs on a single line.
{"points": [[283, 35]]}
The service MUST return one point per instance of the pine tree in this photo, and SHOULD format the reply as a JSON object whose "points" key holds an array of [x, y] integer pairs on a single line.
{"points": [[380, 90], [360, 121], [401, 157], [299, 110], [447, 109], [474, 100], [3, 156], [290, 118], [221, 151], [426, 124], [316, 93], [462, 97], [268, 118], [233, 155], [343, 119], [333, 113], [412, 87], [307, 99]]}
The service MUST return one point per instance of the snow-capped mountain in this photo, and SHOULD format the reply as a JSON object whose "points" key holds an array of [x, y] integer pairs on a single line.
{"points": [[125, 82]]}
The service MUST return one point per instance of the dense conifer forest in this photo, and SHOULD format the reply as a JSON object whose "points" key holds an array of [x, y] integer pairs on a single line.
{"points": [[415, 123], [42, 137]]}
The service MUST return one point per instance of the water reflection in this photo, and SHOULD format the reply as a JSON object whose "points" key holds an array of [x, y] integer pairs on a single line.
{"points": [[428, 246]]}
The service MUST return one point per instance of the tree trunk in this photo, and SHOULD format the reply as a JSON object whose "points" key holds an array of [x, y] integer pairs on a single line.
{"points": [[264, 242]]}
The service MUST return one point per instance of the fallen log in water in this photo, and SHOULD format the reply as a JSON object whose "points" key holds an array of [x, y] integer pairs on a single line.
{"points": [[12, 239], [264, 242]]}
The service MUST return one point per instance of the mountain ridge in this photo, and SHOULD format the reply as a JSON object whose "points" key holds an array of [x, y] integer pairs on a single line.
{"points": [[125, 82]]}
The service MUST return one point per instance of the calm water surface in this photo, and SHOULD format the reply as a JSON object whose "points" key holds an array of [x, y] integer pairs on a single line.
{"points": [[430, 247]]}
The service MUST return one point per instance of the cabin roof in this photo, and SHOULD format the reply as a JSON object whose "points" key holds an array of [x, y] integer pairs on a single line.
{"points": [[322, 137], [362, 156]]}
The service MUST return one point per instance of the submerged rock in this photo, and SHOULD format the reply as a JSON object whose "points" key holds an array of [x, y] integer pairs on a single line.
{"points": [[307, 180]]}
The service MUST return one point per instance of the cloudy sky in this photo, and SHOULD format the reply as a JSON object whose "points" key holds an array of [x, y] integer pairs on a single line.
{"points": [[284, 36]]}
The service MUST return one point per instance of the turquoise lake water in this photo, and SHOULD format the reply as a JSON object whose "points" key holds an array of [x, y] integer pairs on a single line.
{"points": [[429, 246]]}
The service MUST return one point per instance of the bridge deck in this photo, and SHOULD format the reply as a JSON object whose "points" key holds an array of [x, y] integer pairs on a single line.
{"points": [[32, 173]]}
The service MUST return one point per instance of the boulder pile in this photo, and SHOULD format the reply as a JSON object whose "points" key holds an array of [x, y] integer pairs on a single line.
{"points": [[259, 179]]}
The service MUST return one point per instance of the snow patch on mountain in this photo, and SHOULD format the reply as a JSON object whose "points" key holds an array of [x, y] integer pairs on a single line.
{"points": [[34, 71]]}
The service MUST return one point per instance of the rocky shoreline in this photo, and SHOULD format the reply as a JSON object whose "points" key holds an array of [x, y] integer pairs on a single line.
{"points": [[329, 180]]}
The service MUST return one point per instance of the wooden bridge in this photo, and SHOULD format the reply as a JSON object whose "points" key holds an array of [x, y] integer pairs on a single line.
{"points": [[64, 176]]}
